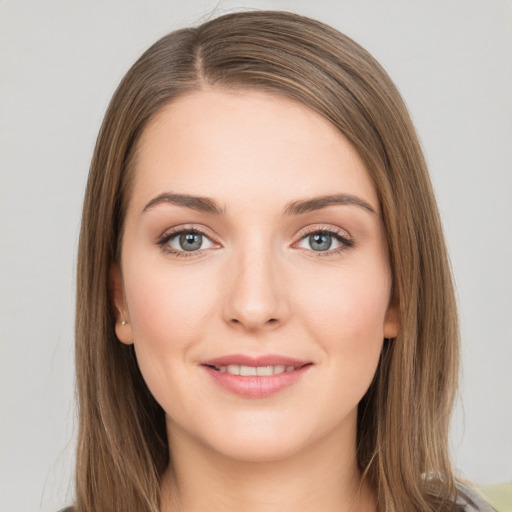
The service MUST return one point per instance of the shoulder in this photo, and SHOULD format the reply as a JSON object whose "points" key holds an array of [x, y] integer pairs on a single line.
{"points": [[471, 499]]}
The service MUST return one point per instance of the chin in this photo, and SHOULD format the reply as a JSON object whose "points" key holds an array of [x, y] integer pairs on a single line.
{"points": [[258, 447], [263, 436]]}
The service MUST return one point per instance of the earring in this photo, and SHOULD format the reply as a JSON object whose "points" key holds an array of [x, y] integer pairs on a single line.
{"points": [[123, 321]]}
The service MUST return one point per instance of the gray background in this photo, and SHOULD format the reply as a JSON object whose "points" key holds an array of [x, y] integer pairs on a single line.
{"points": [[60, 61]]}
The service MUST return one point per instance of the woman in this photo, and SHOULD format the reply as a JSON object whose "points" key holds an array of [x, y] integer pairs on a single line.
{"points": [[265, 312]]}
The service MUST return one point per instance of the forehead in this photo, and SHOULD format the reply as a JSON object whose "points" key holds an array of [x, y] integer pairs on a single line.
{"points": [[246, 146]]}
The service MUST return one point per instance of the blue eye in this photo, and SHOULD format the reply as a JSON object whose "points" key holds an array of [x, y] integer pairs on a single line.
{"points": [[188, 241], [323, 241], [320, 241]]}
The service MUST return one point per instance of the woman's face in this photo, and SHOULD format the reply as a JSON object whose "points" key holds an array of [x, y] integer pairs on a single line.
{"points": [[254, 278]]}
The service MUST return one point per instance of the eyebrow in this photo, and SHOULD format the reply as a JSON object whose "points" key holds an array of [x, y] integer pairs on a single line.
{"points": [[201, 204], [208, 205], [317, 203]]}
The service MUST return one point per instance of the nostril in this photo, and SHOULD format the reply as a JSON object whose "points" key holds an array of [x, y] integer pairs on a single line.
{"points": [[269, 322]]}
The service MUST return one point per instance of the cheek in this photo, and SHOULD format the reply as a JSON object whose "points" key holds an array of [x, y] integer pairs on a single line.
{"points": [[165, 305], [168, 314], [350, 304], [345, 313]]}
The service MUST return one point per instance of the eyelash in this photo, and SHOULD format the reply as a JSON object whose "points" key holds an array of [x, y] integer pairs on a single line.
{"points": [[167, 236], [346, 243], [163, 241]]}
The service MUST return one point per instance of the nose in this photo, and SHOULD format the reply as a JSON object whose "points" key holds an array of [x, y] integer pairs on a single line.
{"points": [[255, 295]]}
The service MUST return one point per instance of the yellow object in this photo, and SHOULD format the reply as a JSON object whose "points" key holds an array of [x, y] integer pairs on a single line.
{"points": [[498, 495]]}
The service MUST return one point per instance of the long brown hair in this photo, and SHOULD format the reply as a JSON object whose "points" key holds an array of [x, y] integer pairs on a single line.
{"points": [[404, 417]]}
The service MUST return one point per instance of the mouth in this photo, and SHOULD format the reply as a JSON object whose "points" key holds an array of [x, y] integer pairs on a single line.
{"points": [[260, 371], [255, 377]]}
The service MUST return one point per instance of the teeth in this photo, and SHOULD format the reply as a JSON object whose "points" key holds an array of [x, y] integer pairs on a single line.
{"points": [[264, 370], [245, 371]]}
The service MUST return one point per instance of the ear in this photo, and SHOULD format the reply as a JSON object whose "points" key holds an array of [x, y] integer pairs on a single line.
{"points": [[392, 322], [123, 326]]}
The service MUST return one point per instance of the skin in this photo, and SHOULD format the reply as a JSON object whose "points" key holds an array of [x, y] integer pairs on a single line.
{"points": [[257, 286]]}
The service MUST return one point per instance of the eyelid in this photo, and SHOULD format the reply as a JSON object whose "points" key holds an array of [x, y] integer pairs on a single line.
{"points": [[340, 234], [170, 233], [326, 228], [186, 228]]}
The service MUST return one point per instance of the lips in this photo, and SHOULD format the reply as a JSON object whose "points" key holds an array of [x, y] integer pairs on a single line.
{"points": [[260, 371], [255, 377]]}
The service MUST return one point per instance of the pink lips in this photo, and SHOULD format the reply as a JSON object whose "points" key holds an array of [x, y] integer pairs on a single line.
{"points": [[255, 386]]}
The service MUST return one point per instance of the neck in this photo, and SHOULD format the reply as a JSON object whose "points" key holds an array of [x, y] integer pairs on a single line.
{"points": [[317, 478]]}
